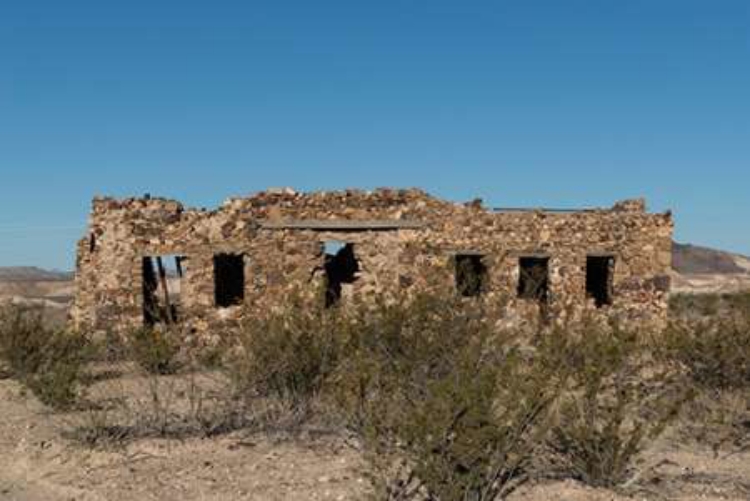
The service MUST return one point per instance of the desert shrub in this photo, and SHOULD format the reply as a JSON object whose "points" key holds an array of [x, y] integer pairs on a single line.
{"points": [[715, 350], [59, 377], [210, 357], [739, 302], [23, 339], [286, 355], [186, 406], [619, 399], [49, 362], [110, 346], [447, 407], [697, 306], [155, 406], [694, 305], [155, 350], [719, 419]]}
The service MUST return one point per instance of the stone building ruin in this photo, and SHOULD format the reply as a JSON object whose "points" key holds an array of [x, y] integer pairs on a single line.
{"points": [[148, 260]]}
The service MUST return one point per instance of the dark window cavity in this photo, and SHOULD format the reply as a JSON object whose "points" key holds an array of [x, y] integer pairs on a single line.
{"points": [[533, 280], [229, 280], [341, 267], [471, 274], [599, 279], [162, 277]]}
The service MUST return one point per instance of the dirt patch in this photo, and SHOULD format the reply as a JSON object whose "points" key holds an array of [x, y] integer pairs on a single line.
{"points": [[37, 463]]}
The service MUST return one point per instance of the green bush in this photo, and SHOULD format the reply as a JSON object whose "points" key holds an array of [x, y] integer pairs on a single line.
{"points": [[59, 379], [426, 382], [448, 408], [619, 398], [287, 355], [23, 338], [155, 350], [49, 362], [715, 350]]}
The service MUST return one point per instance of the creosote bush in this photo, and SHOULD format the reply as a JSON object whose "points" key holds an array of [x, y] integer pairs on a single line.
{"points": [[619, 397], [716, 350], [287, 356], [713, 345], [448, 408], [156, 350], [48, 361]]}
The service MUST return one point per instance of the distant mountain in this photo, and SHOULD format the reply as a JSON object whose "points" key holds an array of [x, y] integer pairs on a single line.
{"points": [[26, 285], [704, 270], [690, 259], [32, 274]]}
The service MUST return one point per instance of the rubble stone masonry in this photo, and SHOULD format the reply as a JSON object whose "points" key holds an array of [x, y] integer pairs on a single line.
{"points": [[253, 252]]}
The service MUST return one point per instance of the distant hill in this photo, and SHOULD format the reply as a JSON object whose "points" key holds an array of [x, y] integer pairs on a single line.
{"points": [[702, 269], [692, 259], [32, 274], [27, 285]]}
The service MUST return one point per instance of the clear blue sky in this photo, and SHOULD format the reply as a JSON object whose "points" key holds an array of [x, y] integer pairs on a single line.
{"points": [[561, 103]]}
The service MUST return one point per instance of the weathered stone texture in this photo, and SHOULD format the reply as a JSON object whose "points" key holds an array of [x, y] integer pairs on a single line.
{"points": [[404, 240]]}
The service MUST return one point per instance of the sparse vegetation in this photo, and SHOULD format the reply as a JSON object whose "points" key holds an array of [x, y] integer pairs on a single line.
{"points": [[619, 398], [716, 350], [156, 350], [287, 356], [710, 337], [48, 361], [719, 419], [446, 405]]}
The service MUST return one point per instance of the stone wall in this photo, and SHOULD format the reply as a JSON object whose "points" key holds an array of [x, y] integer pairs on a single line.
{"points": [[403, 240]]}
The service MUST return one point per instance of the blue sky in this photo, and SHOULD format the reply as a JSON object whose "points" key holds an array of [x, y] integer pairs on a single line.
{"points": [[523, 103]]}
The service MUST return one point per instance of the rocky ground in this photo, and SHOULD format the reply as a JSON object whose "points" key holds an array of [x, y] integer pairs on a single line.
{"points": [[38, 463]]}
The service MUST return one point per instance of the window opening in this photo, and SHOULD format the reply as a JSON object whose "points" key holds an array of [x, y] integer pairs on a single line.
{"points": [[533, 282], [471, 274], [341, 267], [162, 284], [599, 279], [229, 280]]}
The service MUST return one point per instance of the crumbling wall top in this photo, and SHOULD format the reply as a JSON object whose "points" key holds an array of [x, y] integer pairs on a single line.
{"points": [[378, 198], [274, 204], [630, 205]]}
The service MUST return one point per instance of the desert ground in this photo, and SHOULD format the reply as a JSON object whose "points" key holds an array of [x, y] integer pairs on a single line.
{"points": [[39, 461]]}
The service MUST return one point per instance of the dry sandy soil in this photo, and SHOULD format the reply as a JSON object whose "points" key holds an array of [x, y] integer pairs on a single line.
{"points": [[38, 462]]}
